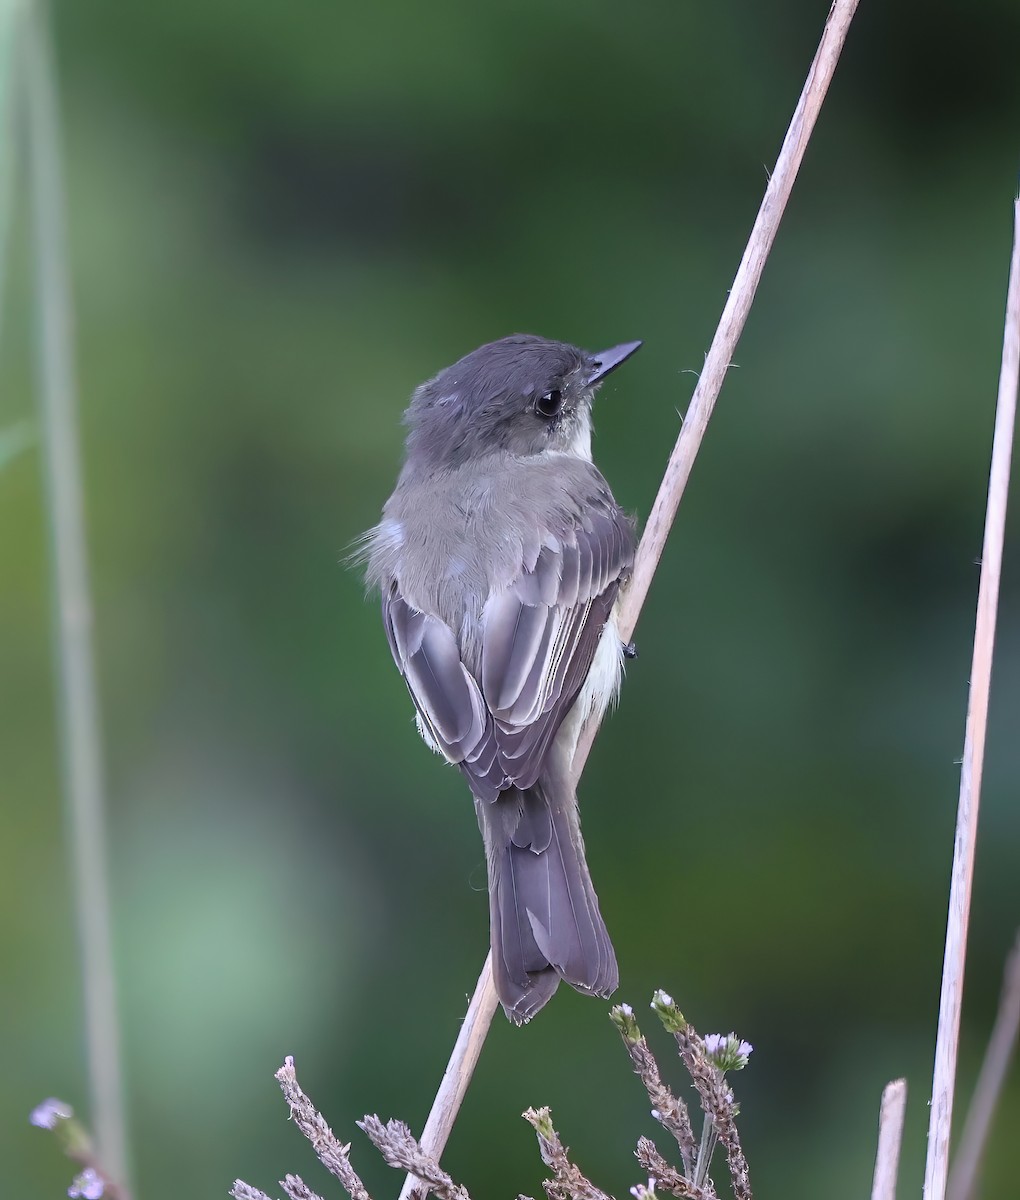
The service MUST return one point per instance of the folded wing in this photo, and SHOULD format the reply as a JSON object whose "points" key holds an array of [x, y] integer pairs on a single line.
{"points": [[538, 639]]}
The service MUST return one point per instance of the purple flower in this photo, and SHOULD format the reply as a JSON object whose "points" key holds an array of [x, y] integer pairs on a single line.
{"points": [[727, 1051], [47, 1114], [86, 1186]]}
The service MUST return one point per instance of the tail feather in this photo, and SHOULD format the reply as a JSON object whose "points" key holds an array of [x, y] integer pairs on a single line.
{"points": [[544, 914]]}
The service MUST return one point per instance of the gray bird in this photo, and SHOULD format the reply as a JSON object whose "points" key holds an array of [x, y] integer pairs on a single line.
{"points": [[500, 557]]}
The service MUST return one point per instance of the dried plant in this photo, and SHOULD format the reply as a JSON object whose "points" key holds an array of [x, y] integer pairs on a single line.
{"points": [[707, 1061], [568, 1181], [393, 1140]]}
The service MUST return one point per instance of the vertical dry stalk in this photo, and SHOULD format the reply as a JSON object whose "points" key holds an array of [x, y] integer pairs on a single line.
{"points": [[678, 469], [737, 307], [1001, 1045], [79, 708], [459, 1070], [890, 1137], [951, 1000], [11, 30]]}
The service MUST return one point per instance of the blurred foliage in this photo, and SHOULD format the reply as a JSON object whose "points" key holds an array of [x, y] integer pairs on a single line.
{"points": [[284, 217]]}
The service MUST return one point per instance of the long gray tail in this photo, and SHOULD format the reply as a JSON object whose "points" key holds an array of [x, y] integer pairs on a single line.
{"points": [[545, 923]]}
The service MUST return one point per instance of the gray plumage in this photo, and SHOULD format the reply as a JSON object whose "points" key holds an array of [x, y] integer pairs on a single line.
{"points": [[499, 558]]}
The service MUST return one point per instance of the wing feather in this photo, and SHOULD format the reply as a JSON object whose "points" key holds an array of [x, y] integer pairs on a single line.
{"points": [[444, 692], [538, 638]]}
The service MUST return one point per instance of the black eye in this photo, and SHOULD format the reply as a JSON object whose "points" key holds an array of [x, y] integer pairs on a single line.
{"points": [[549, 404]]}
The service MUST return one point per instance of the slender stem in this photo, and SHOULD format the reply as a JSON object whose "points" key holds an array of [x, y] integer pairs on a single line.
{"points": [[458, 1071], [890, 1137], [11, 31], [78, 702], [678, 469], [709, 1137], [951, 1000], [731, 325], [1001, 1046]]}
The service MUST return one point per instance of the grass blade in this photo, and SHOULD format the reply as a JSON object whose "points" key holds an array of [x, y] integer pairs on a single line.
{"points": [[76, 685]]}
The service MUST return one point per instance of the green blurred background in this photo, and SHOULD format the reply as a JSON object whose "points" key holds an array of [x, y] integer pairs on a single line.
{"points": [[284, 217]]}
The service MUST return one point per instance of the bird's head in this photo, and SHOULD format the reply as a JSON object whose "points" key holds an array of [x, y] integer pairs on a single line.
{"points": [[523, 395]]}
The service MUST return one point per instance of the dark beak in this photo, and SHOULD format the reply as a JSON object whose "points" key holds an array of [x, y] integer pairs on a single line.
{"points": [[609, 360]]}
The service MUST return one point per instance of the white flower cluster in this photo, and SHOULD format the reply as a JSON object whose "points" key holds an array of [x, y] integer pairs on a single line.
{"points": [[86, 1186], [47, 1114], [727, 1051]]}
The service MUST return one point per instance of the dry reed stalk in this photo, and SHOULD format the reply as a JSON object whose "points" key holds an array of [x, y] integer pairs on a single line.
{"points": [[717, 361], [1001, 1047], [947, 1039], [890, 1138]]}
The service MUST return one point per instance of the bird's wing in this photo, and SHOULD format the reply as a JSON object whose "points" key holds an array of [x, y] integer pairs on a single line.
{"points": [[540, 637], [538, 640]]}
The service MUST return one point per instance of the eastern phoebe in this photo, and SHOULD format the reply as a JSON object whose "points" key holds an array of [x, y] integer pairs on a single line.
{"points": [[499, 557]]}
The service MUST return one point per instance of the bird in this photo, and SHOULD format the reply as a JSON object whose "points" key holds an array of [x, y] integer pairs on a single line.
{"points": [[500, 559]]}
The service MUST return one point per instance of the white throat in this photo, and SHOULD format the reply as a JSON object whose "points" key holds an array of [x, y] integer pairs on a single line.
{"points": [[580, 443]]}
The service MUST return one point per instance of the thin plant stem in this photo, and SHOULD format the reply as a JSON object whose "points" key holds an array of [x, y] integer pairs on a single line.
{"points": [[734, 314], [951, 999], [706, 1149], [72, 610], [1001, 1047], [11, 34], [460, 1068], [678, 469], [890, 1137]]}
